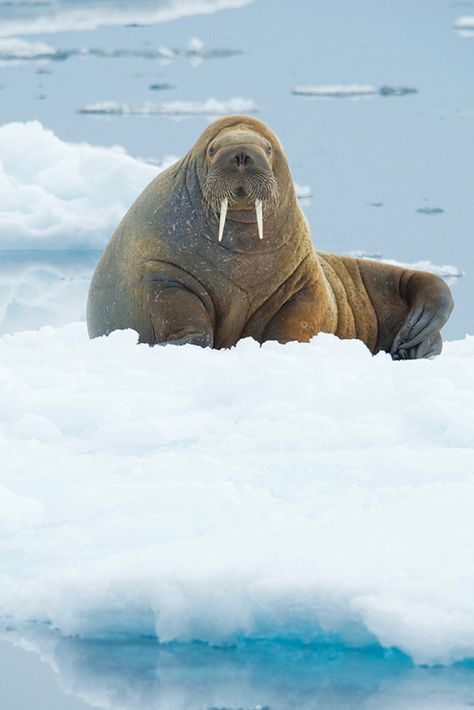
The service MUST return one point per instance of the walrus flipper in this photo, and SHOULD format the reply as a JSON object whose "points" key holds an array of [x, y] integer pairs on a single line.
{"points": [[411, 306], [430, 304], [178, 309]]}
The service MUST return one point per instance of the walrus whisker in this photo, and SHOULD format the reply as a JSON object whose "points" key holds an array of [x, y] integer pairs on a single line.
{"points": [[258, 210], [223, 215]]}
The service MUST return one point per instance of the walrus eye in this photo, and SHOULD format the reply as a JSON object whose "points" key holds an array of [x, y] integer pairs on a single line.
{"points": [[211, 151], [269, 150]]}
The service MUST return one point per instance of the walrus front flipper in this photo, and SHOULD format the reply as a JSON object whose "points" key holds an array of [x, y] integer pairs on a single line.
{"points": [[178, 309], [430, 304]]}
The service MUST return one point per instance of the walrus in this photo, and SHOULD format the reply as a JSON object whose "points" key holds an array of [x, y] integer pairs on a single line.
{"points": [[217, 248]]}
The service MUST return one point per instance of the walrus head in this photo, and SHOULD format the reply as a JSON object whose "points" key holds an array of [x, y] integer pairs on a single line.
{"points": [[241, 170], [239, 174]]}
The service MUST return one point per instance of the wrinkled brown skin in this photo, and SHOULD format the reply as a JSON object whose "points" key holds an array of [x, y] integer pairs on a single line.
{"points": [[165, 275]]}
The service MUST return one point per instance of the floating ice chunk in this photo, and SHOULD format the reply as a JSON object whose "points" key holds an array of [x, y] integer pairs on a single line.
{"points": [[20, 49], [352, 91], [336, 92], [465, 26], [210, 107], [303, 192], [195, 46], [193, 50]]}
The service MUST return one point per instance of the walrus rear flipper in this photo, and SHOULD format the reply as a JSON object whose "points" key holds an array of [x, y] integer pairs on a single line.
{"points": [[412, 307], [178, 309], [431, 304]]}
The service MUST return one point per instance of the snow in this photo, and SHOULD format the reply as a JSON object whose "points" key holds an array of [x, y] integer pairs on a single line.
{"points": [[309, 492], [55, 194]]}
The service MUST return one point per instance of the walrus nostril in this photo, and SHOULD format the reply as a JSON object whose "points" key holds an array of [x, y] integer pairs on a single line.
{"points": [[241, 159]]}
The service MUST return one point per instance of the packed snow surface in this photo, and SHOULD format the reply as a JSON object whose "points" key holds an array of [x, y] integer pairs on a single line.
{"points": [[306, 491]]}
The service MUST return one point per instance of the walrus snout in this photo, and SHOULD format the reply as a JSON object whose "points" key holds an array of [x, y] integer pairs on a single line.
{"points": [[240, 176], [243, 159]]}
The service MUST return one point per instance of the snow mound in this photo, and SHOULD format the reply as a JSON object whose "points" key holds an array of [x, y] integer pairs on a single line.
{"points": [[308, 492], [55, 194]]}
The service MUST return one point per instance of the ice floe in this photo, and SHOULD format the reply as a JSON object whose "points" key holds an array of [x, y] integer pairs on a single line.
{"points": [[50, 16], [465, 26], [209, 107], [17, 51], [303, 192], [351, 91], [307, 492], [13, 49]]}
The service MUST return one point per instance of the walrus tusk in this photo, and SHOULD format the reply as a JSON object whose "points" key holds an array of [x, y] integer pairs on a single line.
{"points": [[224, 204], [258, 209]]}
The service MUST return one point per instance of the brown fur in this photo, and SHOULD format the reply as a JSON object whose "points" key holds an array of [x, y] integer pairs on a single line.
{"points": [[165, 275]]}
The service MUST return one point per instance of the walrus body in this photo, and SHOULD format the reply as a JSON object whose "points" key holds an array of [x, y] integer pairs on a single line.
{"points": [[166, 273]]}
